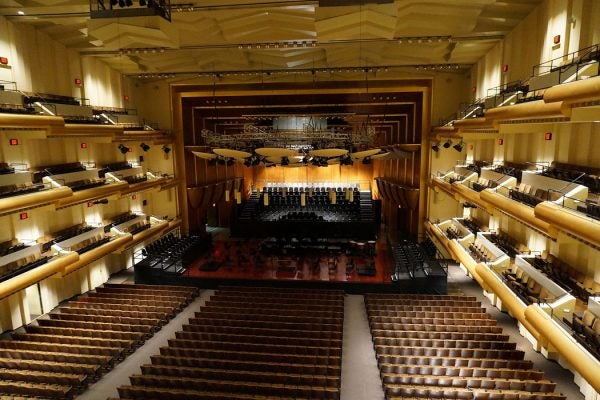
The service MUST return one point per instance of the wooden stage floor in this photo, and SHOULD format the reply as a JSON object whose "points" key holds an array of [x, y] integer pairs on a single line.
{"points": [[241, 260]]}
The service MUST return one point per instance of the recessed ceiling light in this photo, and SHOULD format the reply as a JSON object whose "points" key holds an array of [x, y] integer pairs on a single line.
{"points": [[21, 12]]}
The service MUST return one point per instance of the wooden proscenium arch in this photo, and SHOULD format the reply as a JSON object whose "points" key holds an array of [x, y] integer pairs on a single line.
{"points": [[399, 110]]}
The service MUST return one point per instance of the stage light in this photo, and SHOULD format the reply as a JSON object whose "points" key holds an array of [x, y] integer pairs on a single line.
{"points": [[459, 146], [346, 160], [285, 161], [144, 146], [113, 2], [142, 3], [447, 143], [366, 160], [230, 162], [436, 147], [121, 3], [128, 3], [166, 149], [124, 149]]}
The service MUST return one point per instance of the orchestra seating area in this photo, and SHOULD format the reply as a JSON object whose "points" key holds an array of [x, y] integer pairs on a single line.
{"points": [[305, 212], [57, 356], [434, 346], [251, 343], [172, 254], [318, 201], [410, 261]]}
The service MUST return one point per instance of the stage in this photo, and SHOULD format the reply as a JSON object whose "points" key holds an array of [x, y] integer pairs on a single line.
{"points": [[355, 267]]}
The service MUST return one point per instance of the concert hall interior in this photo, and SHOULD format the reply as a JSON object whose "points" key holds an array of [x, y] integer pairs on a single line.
{"points": [[268, 188]]}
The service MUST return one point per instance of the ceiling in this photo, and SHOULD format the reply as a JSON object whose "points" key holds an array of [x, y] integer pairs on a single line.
{"points": [[211, 36]]}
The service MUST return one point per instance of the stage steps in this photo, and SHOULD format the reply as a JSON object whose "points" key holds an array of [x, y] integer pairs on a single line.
{"points": [[366, 206]]}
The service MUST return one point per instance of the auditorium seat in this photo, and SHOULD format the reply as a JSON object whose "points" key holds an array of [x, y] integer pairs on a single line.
{"points": [[251, 343], [59, 354], [426, 350]]}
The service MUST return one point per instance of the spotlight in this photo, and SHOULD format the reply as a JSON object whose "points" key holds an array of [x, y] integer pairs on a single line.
{"points": [[459, 146], [103, 201], [248, 161], [346, 160], [436, 147], [124, 149], [212, 161], [144, 146], [121, 3], [230, 162], [366, 160], [285, 161], [166, 149], [113, 2], [142, 3], [447, 143], [128, 3], [221, 160]]}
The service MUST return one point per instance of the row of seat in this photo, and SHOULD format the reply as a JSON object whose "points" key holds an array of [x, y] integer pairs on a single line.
{"points": [[249, 343], [471, 225], [532, 196], [528, 289], [483, 183], [480, 253], [448, 355], [507, 244], [443, 343], [397, 392], [62, 352], [171, 253], [587, 329], [444, 309], [579, 283]]}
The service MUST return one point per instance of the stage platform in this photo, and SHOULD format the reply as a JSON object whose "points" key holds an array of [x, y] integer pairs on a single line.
{"points": [[355, 268]]}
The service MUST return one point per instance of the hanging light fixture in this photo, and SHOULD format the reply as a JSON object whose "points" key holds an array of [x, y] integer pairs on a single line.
{"points": [[459, 146]]}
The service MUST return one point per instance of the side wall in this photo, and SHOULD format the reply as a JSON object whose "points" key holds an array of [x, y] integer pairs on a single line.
{"points": [[531, 42]]}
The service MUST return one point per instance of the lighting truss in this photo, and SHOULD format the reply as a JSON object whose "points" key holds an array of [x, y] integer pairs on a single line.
{"points": [[254, 136], [148, 8]]}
